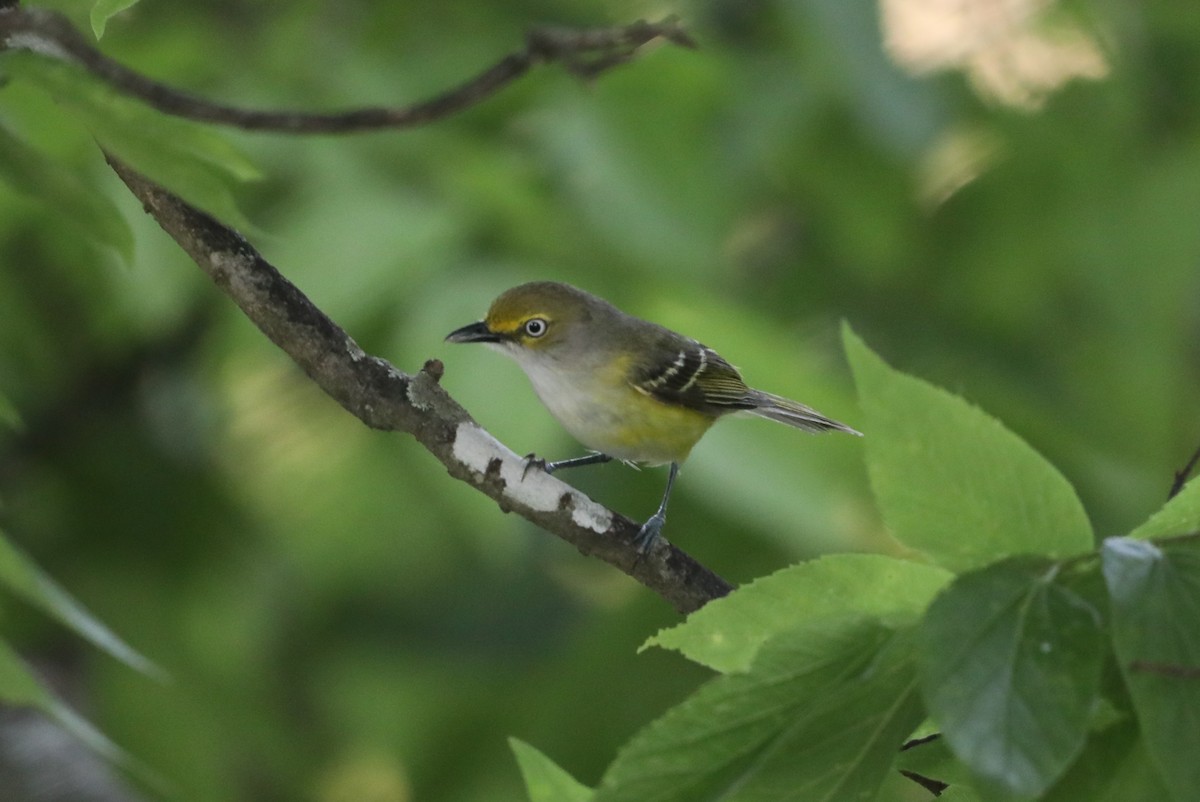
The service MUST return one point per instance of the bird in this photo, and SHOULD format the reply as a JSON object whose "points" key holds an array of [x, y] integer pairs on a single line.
{"points": [[626, 388]]}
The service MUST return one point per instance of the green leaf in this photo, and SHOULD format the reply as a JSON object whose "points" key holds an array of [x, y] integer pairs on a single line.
{"points": [[21, 576], [94, 739], [1154, 591], [91, 213], [726, 634], [544, 780], [818, 718], [105, 10], [18, 686], [193, 161], [951, 481], [1179, 516], [933, 759], [1010, 670], [1114, 767], [9, 417]]}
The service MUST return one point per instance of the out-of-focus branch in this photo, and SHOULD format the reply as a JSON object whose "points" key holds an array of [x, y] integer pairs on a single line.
{"points": [[385, 398], [585, 52]]}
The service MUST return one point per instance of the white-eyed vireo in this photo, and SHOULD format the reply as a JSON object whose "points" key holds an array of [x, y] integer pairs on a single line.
{"points": [[624, 387]]}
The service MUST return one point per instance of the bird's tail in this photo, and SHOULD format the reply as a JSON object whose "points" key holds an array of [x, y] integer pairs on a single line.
{"points": [[784, 410]]}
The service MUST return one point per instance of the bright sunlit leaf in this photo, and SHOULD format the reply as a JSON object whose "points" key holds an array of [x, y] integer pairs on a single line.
{"points": [[1155, 595], [818, 718], [1010, 671], [726, 634], [544, 780], [951, 481]]}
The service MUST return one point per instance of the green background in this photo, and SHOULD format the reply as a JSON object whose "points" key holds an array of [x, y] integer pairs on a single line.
{"points": [[340, 619]]}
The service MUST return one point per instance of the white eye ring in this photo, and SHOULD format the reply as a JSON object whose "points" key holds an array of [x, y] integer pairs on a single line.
{"points": [[535, 327]]}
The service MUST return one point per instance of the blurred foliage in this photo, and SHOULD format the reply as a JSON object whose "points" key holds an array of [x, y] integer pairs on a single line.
{"points": [[342, 621]]}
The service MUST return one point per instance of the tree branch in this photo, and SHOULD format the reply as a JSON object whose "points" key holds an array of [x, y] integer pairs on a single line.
{"points": [[367, 386], [385, 398], [585, 53]]}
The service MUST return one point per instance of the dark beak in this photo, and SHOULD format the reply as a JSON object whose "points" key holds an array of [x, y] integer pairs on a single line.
{"points": [[474, 333]]}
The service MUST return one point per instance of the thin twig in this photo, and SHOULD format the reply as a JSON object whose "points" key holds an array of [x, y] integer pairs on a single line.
{"points": [[585, 53], [385, 398]]}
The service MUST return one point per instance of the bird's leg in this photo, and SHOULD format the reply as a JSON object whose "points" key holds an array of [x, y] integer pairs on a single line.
{"points": [[575, 462], [550, 467], [648, 534]]}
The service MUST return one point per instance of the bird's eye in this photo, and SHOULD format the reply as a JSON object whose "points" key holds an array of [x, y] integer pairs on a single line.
{"points": [[535, 327]]}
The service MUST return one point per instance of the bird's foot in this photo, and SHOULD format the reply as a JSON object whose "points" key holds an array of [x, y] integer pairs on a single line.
{"points": [[595, 458], [649, 534], [532, 460]]}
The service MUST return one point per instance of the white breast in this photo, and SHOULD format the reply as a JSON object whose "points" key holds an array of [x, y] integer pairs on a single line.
{"points": [[579, 400]]}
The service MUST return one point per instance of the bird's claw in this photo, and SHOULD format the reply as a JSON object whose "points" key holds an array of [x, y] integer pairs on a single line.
{"points": [[532, 460], [648, 535]]}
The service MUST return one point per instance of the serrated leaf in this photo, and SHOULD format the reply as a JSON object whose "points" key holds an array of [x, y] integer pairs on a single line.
{"points": [[193, 161], [1010, 666], [726, 634], [818, 718], [544, 780], [933, 759], [951, 481], [91, 213], [1179, 516], [105, 10], [1154, 590], [22, 577]]}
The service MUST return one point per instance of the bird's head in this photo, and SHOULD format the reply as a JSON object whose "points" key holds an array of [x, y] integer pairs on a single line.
{"points": [[541, 316]]}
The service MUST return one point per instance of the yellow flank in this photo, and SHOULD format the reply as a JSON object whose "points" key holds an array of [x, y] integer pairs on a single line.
{"points": [[656, 433], [607, 413]]}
